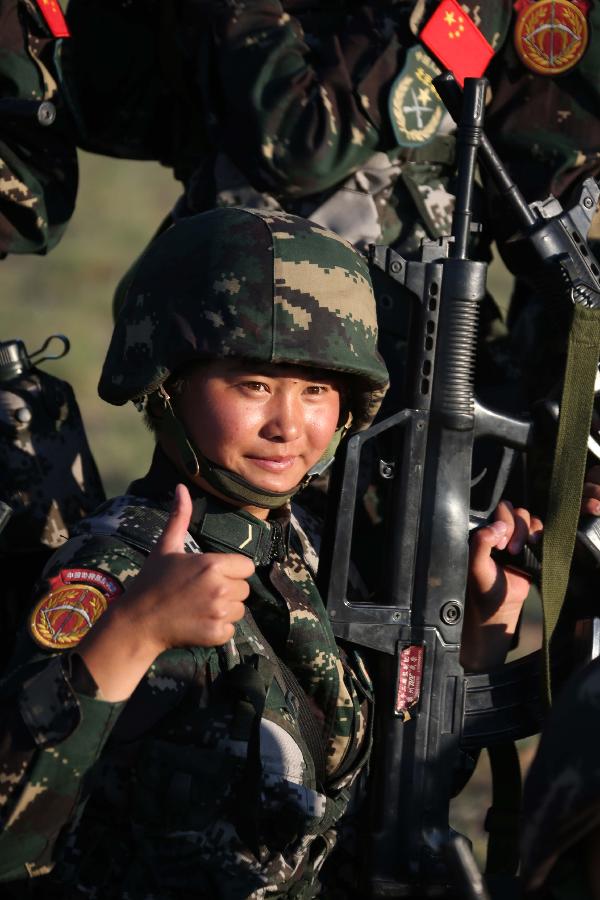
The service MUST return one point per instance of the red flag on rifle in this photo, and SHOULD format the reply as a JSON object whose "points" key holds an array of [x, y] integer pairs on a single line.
{"points": [[456, 41], [54, 18]]}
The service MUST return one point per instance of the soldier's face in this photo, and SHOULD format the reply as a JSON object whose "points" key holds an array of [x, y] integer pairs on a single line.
{"points": [[270, 424]]}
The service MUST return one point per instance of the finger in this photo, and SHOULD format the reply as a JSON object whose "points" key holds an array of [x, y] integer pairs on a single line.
{"points": [[230, 610], [591, 489], [590, 507], [504, 513], [489, 536], [536, 530], [222, 605], [234, 565], [522, 522], [172, 538], [482, 569], [213, 633], [590, 502]]}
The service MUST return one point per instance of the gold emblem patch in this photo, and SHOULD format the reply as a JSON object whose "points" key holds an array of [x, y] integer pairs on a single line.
{"points": [[551, 36], [64, 616]]}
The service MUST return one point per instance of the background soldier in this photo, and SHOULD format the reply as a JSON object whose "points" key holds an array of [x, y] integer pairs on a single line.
{"points": [[326, 110], [38, 166], [48, 477]]}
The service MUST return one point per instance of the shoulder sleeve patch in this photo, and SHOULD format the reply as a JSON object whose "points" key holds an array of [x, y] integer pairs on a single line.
{"points": [[76, 600]]}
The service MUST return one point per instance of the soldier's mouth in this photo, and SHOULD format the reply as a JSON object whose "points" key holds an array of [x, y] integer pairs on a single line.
{"points": [[273, 463]]}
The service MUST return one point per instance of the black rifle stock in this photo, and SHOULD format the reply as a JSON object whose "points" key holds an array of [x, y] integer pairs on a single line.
{"points": [[428, 709]]}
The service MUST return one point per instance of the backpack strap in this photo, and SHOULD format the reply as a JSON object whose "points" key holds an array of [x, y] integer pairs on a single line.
{"points": [[134, 519]]}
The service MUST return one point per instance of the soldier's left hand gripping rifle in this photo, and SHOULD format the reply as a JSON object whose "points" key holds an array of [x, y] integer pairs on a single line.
{"points": [[428, 710]]}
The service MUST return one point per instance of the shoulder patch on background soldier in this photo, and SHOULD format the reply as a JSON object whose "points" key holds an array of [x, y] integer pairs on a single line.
{"points": [[76, 600], [551, 36], [53, 17], [416, 111]]}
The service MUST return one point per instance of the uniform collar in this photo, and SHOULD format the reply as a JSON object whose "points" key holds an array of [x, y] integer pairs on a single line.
{"points": [[216, 525]]}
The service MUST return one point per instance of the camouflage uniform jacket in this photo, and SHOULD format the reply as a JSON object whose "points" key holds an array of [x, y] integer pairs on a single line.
{"points": [[256, 102], [38, 165], [264, 104], [202, 784], [303, 112]]}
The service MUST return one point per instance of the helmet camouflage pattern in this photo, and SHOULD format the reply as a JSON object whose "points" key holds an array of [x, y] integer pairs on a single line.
{"points": [[263, 285]]}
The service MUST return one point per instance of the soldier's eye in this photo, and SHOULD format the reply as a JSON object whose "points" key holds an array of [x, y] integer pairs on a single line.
{"points": [[255, 386]]}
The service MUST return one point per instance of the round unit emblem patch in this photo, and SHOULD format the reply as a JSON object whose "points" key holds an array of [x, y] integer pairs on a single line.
{"points": [[551, 36], [64, 616]]}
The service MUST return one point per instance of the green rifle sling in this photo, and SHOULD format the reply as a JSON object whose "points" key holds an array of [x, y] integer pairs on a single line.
{"points": [[568, 469]]}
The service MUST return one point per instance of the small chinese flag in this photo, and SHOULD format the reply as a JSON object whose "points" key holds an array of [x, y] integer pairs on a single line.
{"points": [[54, 17], [456, 41]]}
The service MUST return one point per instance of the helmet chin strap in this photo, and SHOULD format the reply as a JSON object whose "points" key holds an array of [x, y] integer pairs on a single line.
{"points": [[237, 488], [228, 483]]}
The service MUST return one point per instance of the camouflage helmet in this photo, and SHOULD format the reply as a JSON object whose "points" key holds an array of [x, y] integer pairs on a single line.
{"points": [[262, 285]]}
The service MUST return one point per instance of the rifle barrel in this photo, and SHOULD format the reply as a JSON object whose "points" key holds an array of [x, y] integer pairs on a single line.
{"points": [[450, 93], [469, 132]]}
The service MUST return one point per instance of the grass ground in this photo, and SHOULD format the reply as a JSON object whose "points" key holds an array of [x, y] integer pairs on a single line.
{"points": [[70, 291]]}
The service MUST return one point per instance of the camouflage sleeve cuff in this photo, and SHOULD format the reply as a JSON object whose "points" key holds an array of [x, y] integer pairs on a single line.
{"points": [[55, 701]]}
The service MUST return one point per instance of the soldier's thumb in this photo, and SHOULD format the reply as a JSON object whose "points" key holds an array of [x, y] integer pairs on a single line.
{"points": [[178, 523]]}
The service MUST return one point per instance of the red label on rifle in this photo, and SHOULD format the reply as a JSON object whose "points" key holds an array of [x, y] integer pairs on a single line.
{"points": [[410, 675]]}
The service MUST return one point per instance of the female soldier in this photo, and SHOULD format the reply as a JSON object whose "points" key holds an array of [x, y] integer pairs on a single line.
{"points": [[161, 751]]}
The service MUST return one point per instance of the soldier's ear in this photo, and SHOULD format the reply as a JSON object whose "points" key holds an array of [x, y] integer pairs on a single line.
{"points": [[345, 421], [345, 417], [154, 412]]}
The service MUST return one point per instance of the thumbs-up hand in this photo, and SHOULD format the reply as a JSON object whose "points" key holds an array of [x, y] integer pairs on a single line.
{"points": [[178, 600], [187, 599]]}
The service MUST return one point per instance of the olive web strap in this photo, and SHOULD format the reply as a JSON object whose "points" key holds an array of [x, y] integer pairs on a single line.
{"points": [[307, 723], [568, 469]]}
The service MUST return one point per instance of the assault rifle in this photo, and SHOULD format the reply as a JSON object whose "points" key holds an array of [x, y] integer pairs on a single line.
{"points": [[428, 709]]}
